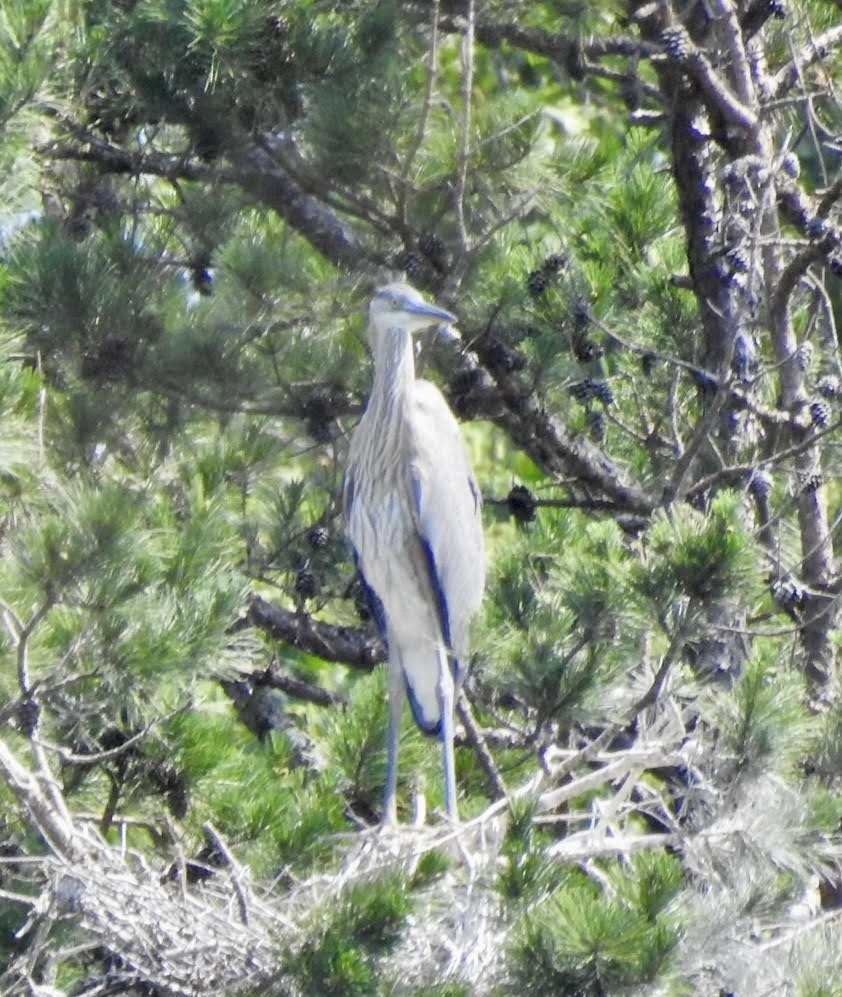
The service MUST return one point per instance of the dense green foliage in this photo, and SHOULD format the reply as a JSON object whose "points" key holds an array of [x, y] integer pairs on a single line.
{"points": [[633, 210]]}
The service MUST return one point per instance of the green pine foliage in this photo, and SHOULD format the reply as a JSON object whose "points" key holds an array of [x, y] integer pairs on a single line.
{"points": [[560, 627], [197, 201], [583, 939], [764, 725], [527, 872], [700, 558], [364, 921]]}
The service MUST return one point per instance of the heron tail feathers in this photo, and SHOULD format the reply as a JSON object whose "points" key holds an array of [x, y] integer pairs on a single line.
{"points": [[421, 675]]}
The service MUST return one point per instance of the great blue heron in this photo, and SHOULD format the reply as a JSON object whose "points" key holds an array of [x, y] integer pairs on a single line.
{"points": [[412, 510]]}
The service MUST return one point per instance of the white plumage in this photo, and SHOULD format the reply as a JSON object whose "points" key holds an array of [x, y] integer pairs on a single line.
{"points": [[412, 508]]}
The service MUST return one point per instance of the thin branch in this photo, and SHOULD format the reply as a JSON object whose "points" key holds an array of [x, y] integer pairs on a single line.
{"points": [[568, 50], [589, 845], [95, 757], [716, 91], [735, 472], [737, 63], [653, 693], [645, 351], [829, 198], [23, 646], [49, 814], [815, 50], [424, 115], [477, 742], [465, 136], [673, 487], [238, 873], [611, 771], [796, 269], [272, 678], [514, 407], [18, 898], [42, 413], [253, 168]]}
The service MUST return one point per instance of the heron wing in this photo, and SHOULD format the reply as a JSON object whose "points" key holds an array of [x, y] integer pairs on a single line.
{"points": [[375, 604], [447, 507]]}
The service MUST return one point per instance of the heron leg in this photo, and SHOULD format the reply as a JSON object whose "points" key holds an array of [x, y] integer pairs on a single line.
{"points": [[446, 701], [397, 691]]}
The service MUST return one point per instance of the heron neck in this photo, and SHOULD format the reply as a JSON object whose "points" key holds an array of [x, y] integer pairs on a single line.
{"points": [[394, 369]]}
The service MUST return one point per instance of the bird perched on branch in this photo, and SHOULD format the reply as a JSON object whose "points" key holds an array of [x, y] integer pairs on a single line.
{"points": [[412, 509]]}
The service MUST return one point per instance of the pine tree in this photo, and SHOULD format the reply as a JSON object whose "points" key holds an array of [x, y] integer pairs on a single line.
{"points": [[634, 211]]}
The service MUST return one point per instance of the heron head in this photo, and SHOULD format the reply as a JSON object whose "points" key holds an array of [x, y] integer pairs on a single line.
{"points": [[400, 307]]}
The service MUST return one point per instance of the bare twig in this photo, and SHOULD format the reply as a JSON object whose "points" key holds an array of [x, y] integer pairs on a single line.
{"points": [[465, 136], [47, 810], [95, 757], [814, 51], [24, 633], [477, 742], [423, 116], [238, 873]]}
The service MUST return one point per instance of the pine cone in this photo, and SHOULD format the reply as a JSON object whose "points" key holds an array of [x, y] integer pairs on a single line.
{"points": [[586, 350], [804, 356], [26, 717], [412, 264], [306, 584], [596, 425], [433, 247], [815, 227], [582, 391], [318, 537], [737, 259], [676, 42], [506, 359], [553, 263], [521, 503], [537, 282], [810, 482], [829, 386], [820, 413], [647, 363]]}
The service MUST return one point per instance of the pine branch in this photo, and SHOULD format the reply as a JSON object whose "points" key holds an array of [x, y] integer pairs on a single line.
{"points": [[252, 167], [476, 740], [466, 91], [404, 186], [47, 810], [272, 678], [513, 407], [262, 176], [567, 50], [347, 645], [716, 92], [814, 51]]}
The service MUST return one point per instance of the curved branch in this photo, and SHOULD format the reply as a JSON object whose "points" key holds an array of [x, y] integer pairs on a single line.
{"points": [[251, 167], [713, 89]]}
